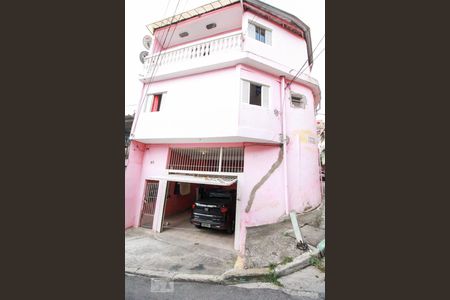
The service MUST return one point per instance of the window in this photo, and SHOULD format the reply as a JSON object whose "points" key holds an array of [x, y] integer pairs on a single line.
{"points": [[153, 103], [216, 159], [260, 33], [255, 94], [298, 101]]}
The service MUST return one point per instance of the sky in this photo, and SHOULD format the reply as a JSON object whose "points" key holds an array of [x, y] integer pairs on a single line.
{"points": [[139, 13]]}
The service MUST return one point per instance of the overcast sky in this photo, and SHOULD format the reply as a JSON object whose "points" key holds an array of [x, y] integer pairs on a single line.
{"points": [[139, 13]]}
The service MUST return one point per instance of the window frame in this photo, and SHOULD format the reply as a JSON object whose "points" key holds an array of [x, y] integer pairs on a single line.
{"points": [[265, 88], [267, 32], [148, 106]]}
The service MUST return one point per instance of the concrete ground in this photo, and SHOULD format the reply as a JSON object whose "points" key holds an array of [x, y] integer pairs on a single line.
{"points": [[308, 283], [138, 287], [178, 226], [275, 242], [179, 250]]}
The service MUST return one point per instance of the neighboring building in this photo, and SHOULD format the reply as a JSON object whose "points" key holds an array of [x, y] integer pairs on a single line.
{"points": [[128, 123], [219, 109], [321, 137]]}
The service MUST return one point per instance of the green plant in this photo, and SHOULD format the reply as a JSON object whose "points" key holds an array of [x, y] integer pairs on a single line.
{"points": [[272, 278], [272, 266], [318, 263], [286, 259]]}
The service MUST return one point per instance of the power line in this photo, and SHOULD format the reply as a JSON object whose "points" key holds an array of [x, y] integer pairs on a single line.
{"points": [[163, 43], [306, 68], [167, 6], [301, 68], [139, 108], [163, 15]]}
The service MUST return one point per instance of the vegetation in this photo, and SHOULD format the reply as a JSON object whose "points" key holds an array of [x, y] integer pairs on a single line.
{"points": [[319, 263], [286, 259], [272, 278]]}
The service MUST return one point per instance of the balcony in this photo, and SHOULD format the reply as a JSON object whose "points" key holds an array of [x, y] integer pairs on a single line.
{"points": [[220, 52], [203, 56]]}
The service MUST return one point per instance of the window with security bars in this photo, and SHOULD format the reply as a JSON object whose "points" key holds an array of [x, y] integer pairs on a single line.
{"points": [[220, 159]]}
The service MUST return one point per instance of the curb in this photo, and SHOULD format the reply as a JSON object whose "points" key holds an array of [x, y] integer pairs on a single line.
{"points": [[231, 276], [300, 262]]}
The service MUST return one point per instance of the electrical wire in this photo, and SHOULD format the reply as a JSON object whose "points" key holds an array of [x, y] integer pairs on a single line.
{"points": [[143, 96], [301, 68], [163, 44]]}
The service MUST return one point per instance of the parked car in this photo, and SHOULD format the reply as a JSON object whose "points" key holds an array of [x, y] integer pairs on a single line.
{"points": [[215, 209]]}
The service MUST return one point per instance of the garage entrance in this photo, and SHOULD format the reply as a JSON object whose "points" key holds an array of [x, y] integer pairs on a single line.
{"points": [[206, 203]]}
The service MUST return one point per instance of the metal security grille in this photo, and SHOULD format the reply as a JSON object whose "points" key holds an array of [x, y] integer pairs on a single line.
{"points": [[148, 209], [229, 160], [232, 160]]}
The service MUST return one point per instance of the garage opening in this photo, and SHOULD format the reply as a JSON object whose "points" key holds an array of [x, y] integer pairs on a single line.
{"points": [[202, 212]]}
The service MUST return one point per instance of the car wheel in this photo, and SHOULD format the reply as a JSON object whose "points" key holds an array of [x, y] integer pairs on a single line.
{"points": [[198, 226]]}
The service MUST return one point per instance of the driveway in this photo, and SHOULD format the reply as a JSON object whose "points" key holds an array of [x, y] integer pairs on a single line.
{"points": [[177, 251]]}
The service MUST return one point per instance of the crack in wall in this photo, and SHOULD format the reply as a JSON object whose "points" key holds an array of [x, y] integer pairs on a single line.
{"points": [[272, 169]]}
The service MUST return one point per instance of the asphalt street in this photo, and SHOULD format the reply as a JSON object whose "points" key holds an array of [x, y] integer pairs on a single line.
{"points": [[139, 287]]}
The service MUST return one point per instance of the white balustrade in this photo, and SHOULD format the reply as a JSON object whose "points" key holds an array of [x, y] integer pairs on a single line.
{"points": [[191, 52]]}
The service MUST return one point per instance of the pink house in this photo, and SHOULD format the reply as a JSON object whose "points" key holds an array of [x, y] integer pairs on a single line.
{"points": [[224, 103]]}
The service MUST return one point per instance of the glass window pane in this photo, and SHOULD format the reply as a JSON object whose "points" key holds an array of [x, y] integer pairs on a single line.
{"points": [[255, 94]]}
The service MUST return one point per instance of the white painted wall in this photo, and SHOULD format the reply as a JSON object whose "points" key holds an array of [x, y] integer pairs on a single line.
{"points": [[196, 106]]}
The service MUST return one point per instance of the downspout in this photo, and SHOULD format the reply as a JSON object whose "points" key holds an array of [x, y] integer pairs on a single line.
{"points": [[283, 119]]}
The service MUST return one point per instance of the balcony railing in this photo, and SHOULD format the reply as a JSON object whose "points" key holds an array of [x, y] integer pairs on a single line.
{"points": [[193, 52]]}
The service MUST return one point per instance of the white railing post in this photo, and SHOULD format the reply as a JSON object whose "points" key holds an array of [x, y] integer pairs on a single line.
{"points": [[220, 159]]}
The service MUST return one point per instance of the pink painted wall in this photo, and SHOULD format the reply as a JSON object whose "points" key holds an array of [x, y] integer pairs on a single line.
{"points": [[132, 183], [302, 154], [257, 121], [268, 204], [209, 104], [149, 161], [287, 48]]}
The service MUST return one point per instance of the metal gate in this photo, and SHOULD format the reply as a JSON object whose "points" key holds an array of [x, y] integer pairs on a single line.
{"points": [[148, 207]]}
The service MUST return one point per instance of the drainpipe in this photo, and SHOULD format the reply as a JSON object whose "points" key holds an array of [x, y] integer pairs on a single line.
{"points": [[283, 125]]}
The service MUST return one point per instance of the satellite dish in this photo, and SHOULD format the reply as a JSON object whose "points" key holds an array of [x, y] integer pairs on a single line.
{"points": [[147, 41], [143, 55]]}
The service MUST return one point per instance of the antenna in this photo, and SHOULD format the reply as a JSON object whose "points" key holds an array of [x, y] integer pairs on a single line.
{"points": [[143, 55], [147, 41]]}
